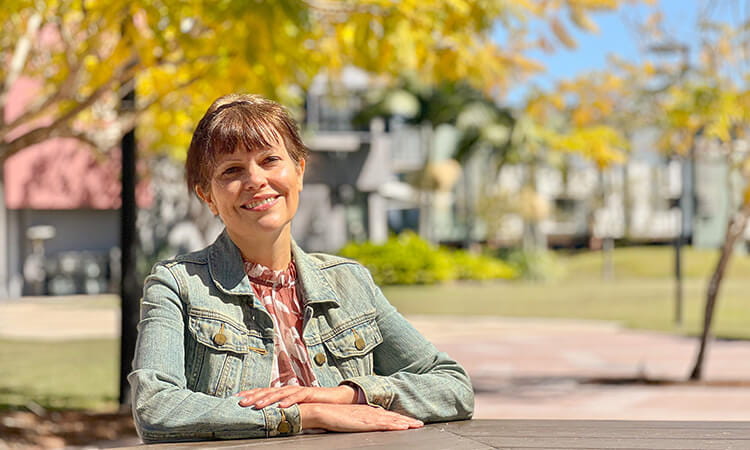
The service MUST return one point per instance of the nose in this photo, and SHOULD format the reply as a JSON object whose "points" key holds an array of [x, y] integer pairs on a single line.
{"points": [[254, 178]]}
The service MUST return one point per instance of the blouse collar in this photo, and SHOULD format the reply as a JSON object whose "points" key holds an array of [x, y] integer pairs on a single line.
{"points": [[258, 273]]}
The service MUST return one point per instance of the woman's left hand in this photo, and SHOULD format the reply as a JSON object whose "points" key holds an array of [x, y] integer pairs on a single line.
{"points": [[289, 395]]}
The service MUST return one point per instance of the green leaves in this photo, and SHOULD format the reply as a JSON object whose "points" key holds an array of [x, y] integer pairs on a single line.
{"points": [[408, 259]]}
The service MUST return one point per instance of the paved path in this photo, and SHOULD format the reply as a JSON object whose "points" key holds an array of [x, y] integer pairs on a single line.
{"points": [[521, 368], [567, 369]]}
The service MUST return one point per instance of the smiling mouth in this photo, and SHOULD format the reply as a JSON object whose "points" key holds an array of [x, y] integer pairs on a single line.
{"points": [[258, 203]]}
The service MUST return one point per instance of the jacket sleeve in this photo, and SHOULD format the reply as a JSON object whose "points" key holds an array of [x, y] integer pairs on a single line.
{"points": [[411, 376], [164, 408]]}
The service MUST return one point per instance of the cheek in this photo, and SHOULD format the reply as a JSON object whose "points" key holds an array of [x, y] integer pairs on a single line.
{"points": [[226, 189]]}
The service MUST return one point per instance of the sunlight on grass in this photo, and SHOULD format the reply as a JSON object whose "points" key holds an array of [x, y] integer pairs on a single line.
{"points": [[69, 374], [637, 303], [652, 262]]}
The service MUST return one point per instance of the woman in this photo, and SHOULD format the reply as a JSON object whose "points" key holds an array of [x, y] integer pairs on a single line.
{"points": [[251, 336]]}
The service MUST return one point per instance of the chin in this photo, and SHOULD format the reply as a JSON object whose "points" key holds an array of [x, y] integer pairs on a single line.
{"points": [[271, 226]]}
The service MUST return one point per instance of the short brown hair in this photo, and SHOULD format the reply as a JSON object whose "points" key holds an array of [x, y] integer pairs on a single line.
{"points": [[239, 120]]}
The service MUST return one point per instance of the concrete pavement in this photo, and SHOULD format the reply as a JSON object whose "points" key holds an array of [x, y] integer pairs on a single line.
{"points": [[569, 369], [521, 368]]}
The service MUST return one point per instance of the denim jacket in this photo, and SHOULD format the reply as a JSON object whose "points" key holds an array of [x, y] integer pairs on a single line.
{"points": [[203, 336]]}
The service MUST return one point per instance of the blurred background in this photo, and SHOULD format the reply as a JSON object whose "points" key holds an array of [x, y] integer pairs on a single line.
{"points": [[561, 183]]}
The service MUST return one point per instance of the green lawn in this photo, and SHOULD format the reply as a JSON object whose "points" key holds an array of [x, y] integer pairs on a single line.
{"points": [[653, 262], [640, 295], [84, 374], [637, 303], [81, 374]]}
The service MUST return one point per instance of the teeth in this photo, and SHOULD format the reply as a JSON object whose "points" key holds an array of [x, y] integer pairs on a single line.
{"points": [[262, 202]]}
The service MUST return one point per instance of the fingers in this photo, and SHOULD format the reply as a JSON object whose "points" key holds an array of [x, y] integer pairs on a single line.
{"points": [[293, 398], [353, 418], [261, 397], [394, 421], [289, 395]]}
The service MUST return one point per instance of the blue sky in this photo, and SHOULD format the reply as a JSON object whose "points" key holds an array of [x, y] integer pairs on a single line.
{"points": [[617, 35]]}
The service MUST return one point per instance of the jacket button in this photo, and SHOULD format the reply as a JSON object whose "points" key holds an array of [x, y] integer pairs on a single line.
{"points": [[320, 359], [220, 339], [284, 427], [359, 343]]}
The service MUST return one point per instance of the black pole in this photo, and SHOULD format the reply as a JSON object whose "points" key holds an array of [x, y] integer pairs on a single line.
{"points": [[678, 272], [129, 285], [683, 230]]}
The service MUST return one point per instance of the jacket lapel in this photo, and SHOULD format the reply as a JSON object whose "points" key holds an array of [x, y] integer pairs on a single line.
{"points": [[315, 287]]}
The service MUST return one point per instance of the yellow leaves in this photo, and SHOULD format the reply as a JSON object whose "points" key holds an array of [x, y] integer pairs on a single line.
{"points": [[347, 34], [585, 116], [267, 46], [602, 144], [582, 20], [649, 69], [460, 6], [582, 116], [562, 33], [556, 100], [593, 4], [690, 109], [90, 62]]}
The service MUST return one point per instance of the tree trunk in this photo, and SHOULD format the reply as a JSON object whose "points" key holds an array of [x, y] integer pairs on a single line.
{"points": [[735, 229]]}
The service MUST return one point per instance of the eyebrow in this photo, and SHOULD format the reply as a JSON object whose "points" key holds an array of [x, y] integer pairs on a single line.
{"points": [[258, 152]]}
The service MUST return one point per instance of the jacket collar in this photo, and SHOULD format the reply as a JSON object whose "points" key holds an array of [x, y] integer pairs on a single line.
{"points": [[226, 268], [315, 287], [228, 273]]}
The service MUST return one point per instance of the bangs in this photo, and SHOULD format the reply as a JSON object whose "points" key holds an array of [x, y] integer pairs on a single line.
{"points": [[237, 128]]}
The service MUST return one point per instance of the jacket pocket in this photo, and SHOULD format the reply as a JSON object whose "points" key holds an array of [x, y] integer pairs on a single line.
{"points": [[351, 347], [221, 345]]}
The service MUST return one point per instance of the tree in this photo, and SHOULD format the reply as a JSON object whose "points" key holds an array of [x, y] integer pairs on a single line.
{"points": [[711, 103], [717, 107], [583, 116]]}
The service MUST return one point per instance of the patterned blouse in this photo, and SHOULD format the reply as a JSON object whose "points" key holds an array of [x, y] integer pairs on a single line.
{"points": [[277, 290]]}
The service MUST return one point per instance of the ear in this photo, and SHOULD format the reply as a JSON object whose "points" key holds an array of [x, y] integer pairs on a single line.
{"points": [[206, 197], [301, 172]]}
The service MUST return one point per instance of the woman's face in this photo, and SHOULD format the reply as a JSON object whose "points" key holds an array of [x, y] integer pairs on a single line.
{"points": [[255, 192]]}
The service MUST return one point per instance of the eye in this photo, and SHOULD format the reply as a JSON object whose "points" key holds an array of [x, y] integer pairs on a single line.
{"points": [[271, 159], [231, 170]]}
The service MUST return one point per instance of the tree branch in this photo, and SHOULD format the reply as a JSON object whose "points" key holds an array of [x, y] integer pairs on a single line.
{"points": [[65, 90], [58, 126], [18, 60]]}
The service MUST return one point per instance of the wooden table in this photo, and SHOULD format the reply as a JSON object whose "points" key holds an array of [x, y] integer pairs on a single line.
{"points": [[528, 434]]}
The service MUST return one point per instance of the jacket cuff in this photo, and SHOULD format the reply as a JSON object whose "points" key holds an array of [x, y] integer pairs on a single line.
{"points": [[378, 390], [282, 421]]}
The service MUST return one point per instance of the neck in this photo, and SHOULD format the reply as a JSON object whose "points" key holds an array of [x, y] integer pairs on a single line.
{"points": [[274, 252]]}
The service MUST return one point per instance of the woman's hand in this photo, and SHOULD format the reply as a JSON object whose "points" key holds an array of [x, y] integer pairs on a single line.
{"points": [[351, 418], [289, 395]]}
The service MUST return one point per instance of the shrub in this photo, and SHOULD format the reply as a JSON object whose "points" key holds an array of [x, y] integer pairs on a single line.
{"points": [[409, 259], [481, 267]]}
